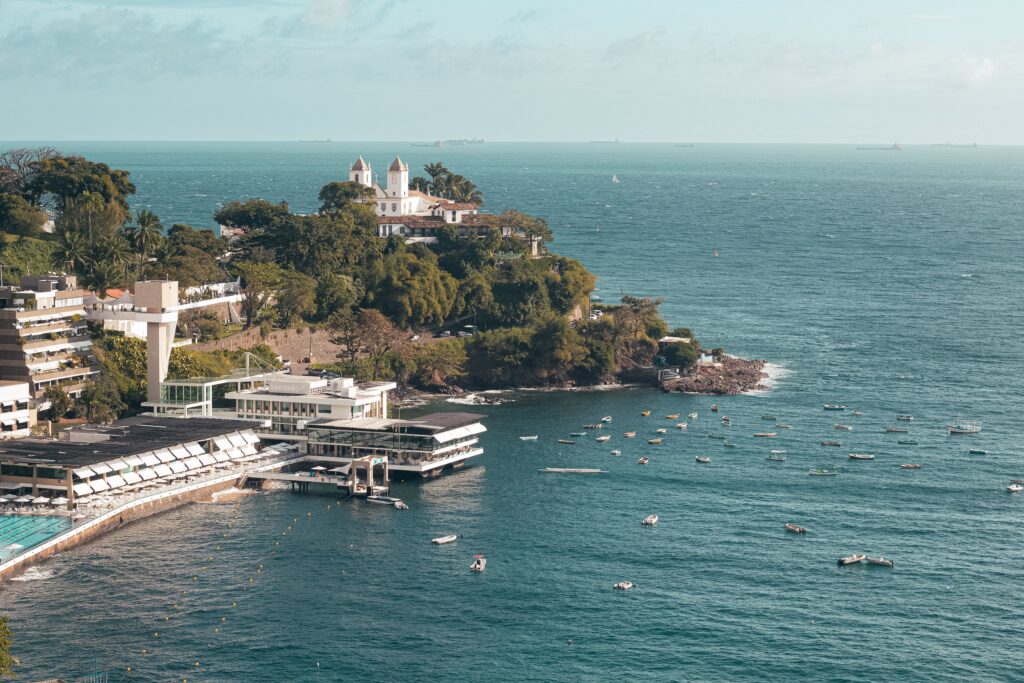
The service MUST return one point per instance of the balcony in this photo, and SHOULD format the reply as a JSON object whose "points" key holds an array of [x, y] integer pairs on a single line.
{"points": [[62, 341], [63, 374]]}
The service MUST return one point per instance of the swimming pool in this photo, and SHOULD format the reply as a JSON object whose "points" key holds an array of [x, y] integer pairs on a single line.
{"points": [[20, 532]]}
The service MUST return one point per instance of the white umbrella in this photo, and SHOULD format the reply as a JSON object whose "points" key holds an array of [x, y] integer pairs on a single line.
{"points": [[59, 501], [41, 500], [22, 499], [318, 468], [6, 499]]}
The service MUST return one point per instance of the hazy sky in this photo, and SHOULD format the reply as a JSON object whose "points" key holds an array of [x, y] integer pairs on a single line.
{"points": [[715, 70]]}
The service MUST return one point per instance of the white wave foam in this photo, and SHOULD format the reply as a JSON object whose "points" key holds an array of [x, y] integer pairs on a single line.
{"points": [[775, 372], [36, 574]]}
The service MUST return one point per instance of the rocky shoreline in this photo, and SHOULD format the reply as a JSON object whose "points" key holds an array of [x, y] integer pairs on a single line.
{"points": [[727, 377]]}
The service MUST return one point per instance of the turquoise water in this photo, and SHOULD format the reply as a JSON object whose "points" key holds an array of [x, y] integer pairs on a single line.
{"points": [[889, 282], [20, 532]]}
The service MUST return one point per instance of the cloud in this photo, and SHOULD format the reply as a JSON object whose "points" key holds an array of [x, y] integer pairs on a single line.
{"points": [[968, 71]]}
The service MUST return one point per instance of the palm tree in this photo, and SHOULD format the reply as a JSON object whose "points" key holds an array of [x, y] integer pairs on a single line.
{"points": [[436, 169], [146, 235], [71, 253], [111, 257]]}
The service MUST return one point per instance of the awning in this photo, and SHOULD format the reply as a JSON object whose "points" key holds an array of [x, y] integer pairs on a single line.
{"points": [[192, 463], [341, 470], [149, 459], [9, 422], [460, 433], [235, 453], [148, 474], [179, 452], [207, 459], [132, 478], [194, 448], [83, 472], [99, 485], [116, 481], [178, 466], [117, 465], [82, 489], [162, 470], [101, 468], [58, 501], [221, 443], [11, 485], [41, 500], [164, 455], [7, 404], [133, 461], [249, 449], [250, 437], [220, 456], [237, 440]]}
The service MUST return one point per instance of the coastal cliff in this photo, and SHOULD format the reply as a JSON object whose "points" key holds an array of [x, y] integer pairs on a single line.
{"points": [[726, 377]]}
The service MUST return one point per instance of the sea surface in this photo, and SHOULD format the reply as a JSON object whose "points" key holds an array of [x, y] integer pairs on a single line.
{"points": [[890, 282]]}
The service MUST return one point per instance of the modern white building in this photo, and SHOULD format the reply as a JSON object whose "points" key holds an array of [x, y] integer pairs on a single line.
{"points": [[285, 403], [16, 415]]}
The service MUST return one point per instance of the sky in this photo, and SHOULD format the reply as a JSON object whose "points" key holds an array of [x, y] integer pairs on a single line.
{"points": [[876, 71]]}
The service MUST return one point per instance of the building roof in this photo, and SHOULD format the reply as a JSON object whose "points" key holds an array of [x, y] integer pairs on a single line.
{"points": [[398, 165], [458, 206], [412, 221], [426, 424], [360, 165], [130, 436], [424, 195]]}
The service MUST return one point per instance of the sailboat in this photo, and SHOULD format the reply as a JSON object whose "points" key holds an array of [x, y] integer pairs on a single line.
{"points": [[615, 179]]}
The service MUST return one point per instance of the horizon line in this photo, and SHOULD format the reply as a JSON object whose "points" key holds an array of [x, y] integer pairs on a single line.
{"points": [[327, 141]]}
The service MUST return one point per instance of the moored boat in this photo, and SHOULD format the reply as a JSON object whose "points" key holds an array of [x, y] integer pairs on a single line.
{"points": [[893, 429], [855, 558], [532, 437], [861, 456], [823, 472], [880, 561], [654, 442], [644, 413], [714, 407], [383, 500], [479, 564], [795, 529], [567, 442], [623, 586], [616, 452], [905, 418], [692, 416], [442, 540], [599, 425], [845, 428], [831, 443], [682, 425], [643, 461], [856, 413], [728, 444], [572, 470], [604, 438], [578, 434], [783, 425], [906, 442], [703, 459], [629, 435], [910, 466], [714, 435], [401, 505], [958, 426], [777, 456], [1015, 488], [726, 420], [673, 416], [766, 435], [661, 431], [834, 406], [770, 418], [606, 418], [977, 451], [650, 520]]}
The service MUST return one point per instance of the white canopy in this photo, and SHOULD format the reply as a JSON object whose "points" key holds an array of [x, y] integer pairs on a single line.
{"points": [[164, 455], [41, 500], [235, 453], [150, 459], [101, 468], [83, 472], [99, 485], [237, 440], [221, 443], [178, 466], [58, 501], [11, 485], [82, 489], [220, 456], [133, 461], [341, 470], [9, 422], [460, 432], [6, 499], [147, 474], [116, 481], [250, 437], [22, 499], [132, 478], [179, 452], [249, 449], [207, 459], [194, 449], [117, 464], [192, 463], [162, 470]]}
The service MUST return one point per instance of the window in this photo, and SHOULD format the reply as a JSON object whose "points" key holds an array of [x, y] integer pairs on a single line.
{"points": [[324, 408], [383, 206], [394, 206]]}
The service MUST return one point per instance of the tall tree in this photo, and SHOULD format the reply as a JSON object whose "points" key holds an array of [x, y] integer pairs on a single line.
{"points": [[18, 166], [71, 253], [58, 180], [295, 298], [259, 284], [60, 402], [146, 234], [338, 196], [19, 217]]}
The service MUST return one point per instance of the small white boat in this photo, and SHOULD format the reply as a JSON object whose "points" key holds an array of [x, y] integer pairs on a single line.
{"points": [[602, 439], [401, 505], [766, 435], [856, 413], [795, 529], [383, 500], [572, 470], [643, 461], [904, 418], [682, 425], [606, 418], [615, 180], [673, 416], [861, 456], [442, 540], [964, 427], [661, 431], [855, 558], [726, 420], [623, 585], [893, 429], [654, 442], [845, 428], [1015, 488], [714, 407], [650, 520], [880, 561], [616, 452], [479, 564], [823, 472], [910, 466], [703, 459], [692, 416], [834, 406], [783, 425], [532, 437], [777, 456], [629, 435]]}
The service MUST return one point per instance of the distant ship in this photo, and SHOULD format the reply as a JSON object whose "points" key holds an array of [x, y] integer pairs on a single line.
{"points": [[686, 144], [894, 147], [949, 144], [615, 179], [435, 143], [464, 141], [605, 142]]}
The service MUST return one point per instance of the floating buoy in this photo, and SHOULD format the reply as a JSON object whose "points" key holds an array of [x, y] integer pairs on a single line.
{"points": [[166, 618], [234, 604], [197, 663], [309, 514], [222, 620], [129, 669], [156, 634]]}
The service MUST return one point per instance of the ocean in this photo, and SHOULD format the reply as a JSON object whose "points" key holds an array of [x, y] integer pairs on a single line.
{"points": [[886, 281]]}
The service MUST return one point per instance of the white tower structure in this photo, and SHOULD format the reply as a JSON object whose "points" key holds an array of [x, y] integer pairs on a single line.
{"points": [[361, 173], [156, 304], [398, 179]]}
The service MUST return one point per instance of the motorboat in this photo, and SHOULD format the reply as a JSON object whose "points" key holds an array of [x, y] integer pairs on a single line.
{"points": [[682, 425], [383, 500], [654, 442], [673, 416], [823, 472], [572, 470], [831, 443], [623, 586], [726, 420], [578, 434], [777, 456], [861, 456], [905, 418], [629, 435], [479, 564], [599, 425], [766, 435], [856, 413], [906, 442], [728, 444], [855, 558], [783, 425], [661, 431], [795, 529], [834, 406], [606, 418], [845, 428], [604, 438], [643, 461], [770, 418], [616, 452], [401, 505], [977, 451], [714, 407], [568, 442], [959, 426], [650, 520], [692, 416], [644, 413], [532, 437], [910, 466], [442, 540], [893, 429], [703, 459], [1015, 488], [714, 435], [880, 561]]}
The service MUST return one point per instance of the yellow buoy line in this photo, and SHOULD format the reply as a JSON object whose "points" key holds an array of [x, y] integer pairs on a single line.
{"points": [[181, 597]]}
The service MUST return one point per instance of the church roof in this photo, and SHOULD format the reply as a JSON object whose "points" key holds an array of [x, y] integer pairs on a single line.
{"points": [[398, 165], [360, 165], [458, 206]]}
